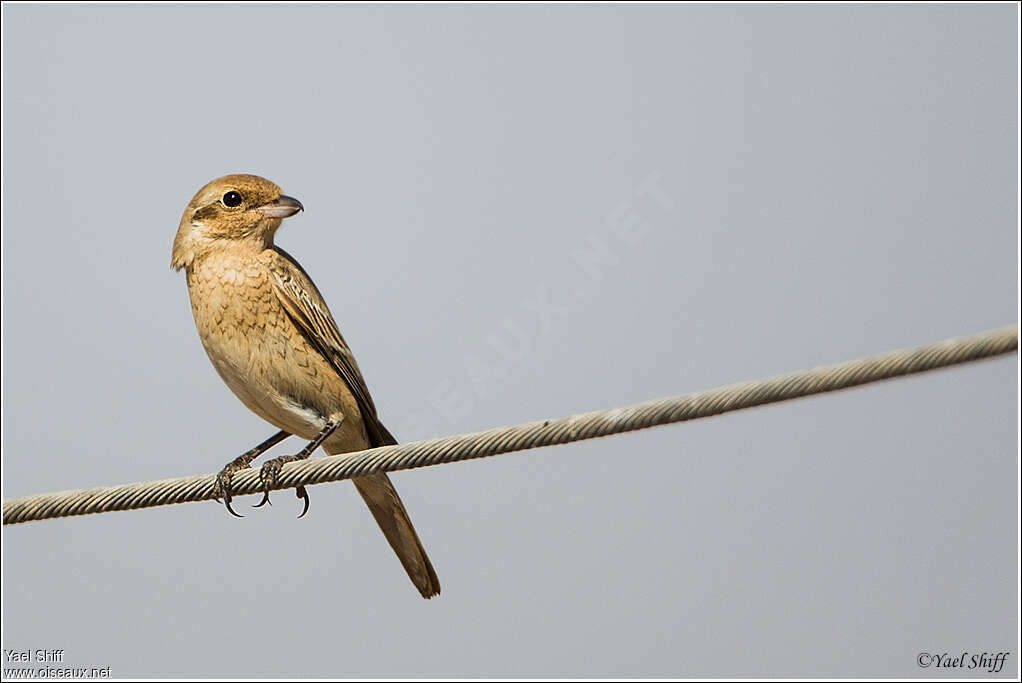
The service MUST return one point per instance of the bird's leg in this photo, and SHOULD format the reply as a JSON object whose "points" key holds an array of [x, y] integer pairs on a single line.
{"points": [[271, 468], [222, 488]]}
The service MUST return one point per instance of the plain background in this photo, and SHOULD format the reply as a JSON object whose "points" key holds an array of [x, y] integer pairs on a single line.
{"points": [[827, 182]]}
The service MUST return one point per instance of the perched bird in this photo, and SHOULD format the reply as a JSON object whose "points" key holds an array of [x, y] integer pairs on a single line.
{"points": [[274, 342]]}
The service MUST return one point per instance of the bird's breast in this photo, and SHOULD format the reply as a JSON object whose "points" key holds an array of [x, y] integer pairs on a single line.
{"points": [[258, 352]]}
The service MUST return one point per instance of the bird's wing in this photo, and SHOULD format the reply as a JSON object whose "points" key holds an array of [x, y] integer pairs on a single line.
{"points": [[307, 309]]}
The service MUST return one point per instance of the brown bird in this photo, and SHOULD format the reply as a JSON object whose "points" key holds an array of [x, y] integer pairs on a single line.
{"points": [[274, 342]]}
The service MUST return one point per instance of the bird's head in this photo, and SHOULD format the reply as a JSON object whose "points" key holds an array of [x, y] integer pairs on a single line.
{"points": [[242, 209]]}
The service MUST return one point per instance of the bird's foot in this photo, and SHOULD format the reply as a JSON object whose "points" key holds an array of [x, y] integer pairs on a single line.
{"points": [[271, 468], [222, 487], [269, 476]]}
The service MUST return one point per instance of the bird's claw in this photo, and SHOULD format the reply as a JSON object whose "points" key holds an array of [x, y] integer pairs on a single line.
{"points": [[268, 477], [222, 488], [227, 504]]}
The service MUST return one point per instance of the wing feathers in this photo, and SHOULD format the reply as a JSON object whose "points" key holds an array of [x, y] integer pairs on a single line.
{"points": [[304, 304]]}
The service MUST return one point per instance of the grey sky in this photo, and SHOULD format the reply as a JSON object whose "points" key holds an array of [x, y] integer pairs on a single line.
{"points": [[836, 181]]}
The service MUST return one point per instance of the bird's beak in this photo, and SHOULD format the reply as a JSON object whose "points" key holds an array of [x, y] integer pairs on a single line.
{"points": [[282, 207]]}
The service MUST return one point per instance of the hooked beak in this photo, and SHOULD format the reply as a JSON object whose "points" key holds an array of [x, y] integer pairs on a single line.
{"points": [[282, 207]]}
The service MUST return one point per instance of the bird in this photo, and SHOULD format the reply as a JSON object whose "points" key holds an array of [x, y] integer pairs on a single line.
{"points": [[271, 338]]}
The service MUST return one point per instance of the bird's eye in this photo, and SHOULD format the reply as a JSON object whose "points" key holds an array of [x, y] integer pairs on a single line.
{"points": [[232, 199]]}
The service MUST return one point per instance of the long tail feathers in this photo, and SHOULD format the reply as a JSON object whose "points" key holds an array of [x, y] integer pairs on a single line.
{"points": [[390, 514]]}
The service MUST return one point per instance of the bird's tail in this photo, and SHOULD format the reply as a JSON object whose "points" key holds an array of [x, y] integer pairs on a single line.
{"points": [[390, 514], [386, 506]]}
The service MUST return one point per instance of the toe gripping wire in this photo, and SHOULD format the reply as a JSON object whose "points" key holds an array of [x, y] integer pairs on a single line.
{"points": [[270, 472]]}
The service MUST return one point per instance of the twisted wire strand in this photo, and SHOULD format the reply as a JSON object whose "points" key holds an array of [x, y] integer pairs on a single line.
{"points": [[530, 435]]}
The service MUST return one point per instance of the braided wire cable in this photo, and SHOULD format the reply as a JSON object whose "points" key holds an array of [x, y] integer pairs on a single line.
{"points": [[529, 435]]}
